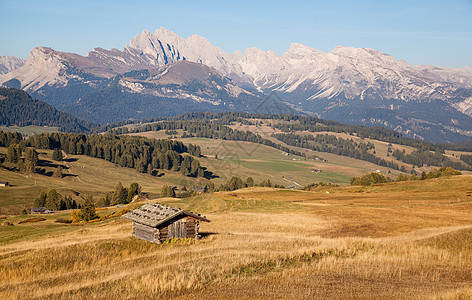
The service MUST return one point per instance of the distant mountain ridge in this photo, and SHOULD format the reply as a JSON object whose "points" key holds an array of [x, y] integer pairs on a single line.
{"points": [[355, 85], [10, 63], [166, 91]]}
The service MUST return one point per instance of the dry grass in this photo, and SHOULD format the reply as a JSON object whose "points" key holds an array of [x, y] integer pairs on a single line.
{"points": [[260, 245]]}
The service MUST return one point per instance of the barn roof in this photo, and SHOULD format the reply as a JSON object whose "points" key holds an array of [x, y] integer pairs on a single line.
{"points": [[154, 214]]}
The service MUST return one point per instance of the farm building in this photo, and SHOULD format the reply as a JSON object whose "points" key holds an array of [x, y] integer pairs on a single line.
{"points": [[41, 210], [156, 223], [3, 183]]}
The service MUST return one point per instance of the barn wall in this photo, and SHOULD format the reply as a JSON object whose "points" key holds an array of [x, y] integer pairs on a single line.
{"points": [[147, 233], [185, 227]]}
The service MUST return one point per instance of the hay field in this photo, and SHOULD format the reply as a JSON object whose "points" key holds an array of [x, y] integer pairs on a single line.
{"points": [[262, 243]]}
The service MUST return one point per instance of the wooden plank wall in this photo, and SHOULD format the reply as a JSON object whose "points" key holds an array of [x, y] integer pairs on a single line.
{"points": [[182, 228], [145, 232]]}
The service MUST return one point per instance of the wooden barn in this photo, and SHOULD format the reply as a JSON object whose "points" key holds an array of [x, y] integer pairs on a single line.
{"points": [[156, 223]]}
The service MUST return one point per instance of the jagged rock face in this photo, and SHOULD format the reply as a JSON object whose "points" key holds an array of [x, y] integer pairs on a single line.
{"points": [[182, 80], [10, 63], [302, 73]]}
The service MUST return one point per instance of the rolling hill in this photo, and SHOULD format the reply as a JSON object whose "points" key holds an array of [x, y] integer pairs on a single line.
{"points": [[17, 108]]}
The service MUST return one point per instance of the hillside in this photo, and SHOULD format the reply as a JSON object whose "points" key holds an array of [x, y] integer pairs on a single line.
{"points": [[399, 240], [288, 150], [164, 92], [315, 139], [17, 108]]}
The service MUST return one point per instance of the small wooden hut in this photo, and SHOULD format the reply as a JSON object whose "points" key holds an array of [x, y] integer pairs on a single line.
{"points": [[157, 222]]}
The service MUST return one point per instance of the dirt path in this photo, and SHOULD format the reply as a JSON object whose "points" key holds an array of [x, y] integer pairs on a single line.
{"points": [[293, 182], [69, 167]]}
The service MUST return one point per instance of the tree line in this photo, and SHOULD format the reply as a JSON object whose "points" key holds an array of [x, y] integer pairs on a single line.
{"points": [[234, 183], [376, 178], [52, 200], [332, 144], [144, 155], [421, 157], [213, 129]]}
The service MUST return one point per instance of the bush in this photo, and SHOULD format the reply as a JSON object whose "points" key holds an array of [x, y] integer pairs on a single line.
{"points": [[369, 179], [314, 185], [32, 220]]}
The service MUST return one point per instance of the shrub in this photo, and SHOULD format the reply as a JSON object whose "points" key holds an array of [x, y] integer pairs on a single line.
{"points": [[32, 220], [314, 185], [369, 179]]}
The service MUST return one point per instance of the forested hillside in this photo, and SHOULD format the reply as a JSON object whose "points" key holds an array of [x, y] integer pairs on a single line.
{"points": [[144, 155], [18, 108], [311, 133]]}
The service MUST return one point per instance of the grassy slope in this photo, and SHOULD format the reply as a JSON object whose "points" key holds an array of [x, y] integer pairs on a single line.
{"points": [[262, 243], [31, 129], [262, 162], [91, 176], [380, 147]]}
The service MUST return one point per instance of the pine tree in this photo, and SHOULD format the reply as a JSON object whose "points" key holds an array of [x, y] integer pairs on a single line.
{"points": [[12, 154], [134, 189], [57, 154], [31, 159], [58, 172], [87, 212], [52, 200], [168, 191], [40, 201], [120, 194]]}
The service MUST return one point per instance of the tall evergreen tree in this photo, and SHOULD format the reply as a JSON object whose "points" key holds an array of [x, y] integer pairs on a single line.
{"points": [[120, 194], [52, 200], [31, 159], [40, 201], [57, 154], [87, 212], [12, 154]]}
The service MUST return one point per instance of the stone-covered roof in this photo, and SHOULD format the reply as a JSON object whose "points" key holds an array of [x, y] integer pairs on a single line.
{"points": [[154, 214]]}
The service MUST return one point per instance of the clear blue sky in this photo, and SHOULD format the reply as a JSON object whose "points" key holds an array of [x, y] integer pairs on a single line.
{"points": [[420, 32]]}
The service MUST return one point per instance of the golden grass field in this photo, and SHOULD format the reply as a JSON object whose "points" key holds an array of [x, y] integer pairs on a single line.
{"points": [[262, 243]]}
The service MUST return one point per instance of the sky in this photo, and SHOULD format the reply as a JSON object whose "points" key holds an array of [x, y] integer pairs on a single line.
{"points": [[420, 32]]}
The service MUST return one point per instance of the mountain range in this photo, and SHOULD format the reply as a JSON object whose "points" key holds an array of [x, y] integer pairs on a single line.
{"points": [[10, 63], [163, 74]]}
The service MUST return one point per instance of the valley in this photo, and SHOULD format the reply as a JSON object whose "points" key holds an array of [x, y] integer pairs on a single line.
{"points": [[172, 168]]}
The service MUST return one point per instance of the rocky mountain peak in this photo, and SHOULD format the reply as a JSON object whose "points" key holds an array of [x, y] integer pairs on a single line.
{"points": [[10, 63]]}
